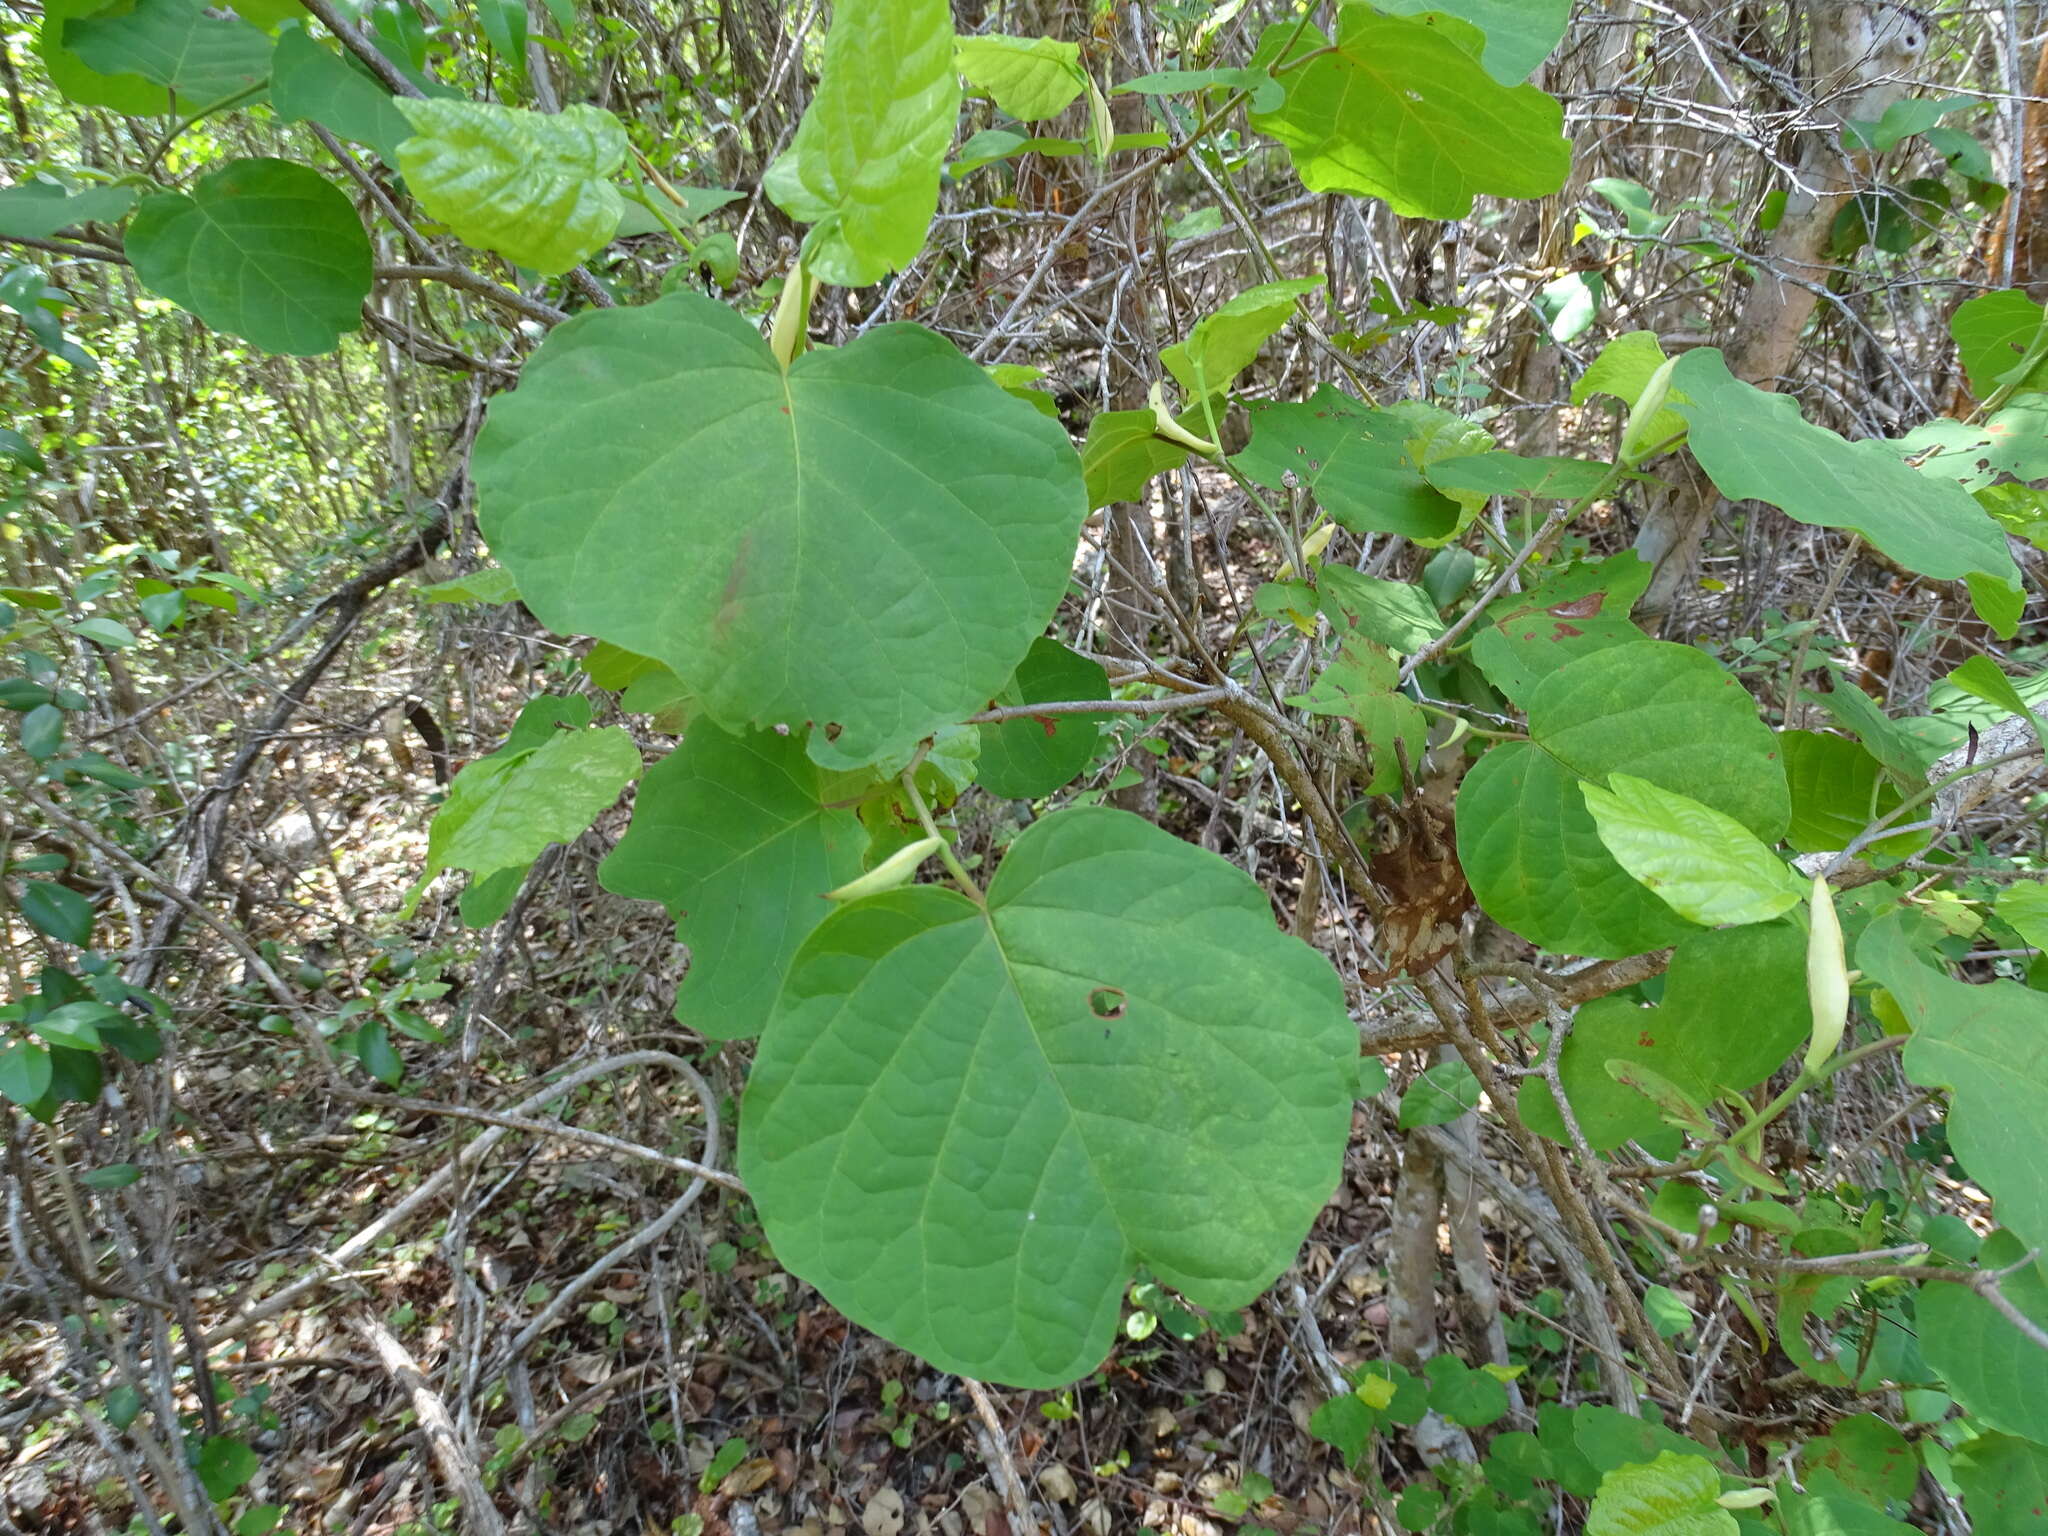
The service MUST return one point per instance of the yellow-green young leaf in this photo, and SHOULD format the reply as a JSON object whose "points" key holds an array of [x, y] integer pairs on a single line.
{"points": [[263, 249], [892, 872], [1394, 109], [956, 1106], [1624, 369], [1031, 78], [1671, 1496], [1993, 332], [864, 167], [1222, 344], [2024, 906], [529, 185], [1705, 866], [1827, 976]]}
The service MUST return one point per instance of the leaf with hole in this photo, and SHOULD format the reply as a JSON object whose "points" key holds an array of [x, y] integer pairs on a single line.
{"points": [[263, 249], [1120, 1060], [529, 185], [869, 543]]}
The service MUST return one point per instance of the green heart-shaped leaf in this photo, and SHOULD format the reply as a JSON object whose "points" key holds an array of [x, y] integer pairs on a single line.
{"points": [[262, 249], [870, 541], [968, 1126]]}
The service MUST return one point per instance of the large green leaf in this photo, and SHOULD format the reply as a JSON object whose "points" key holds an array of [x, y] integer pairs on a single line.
{"points": [[968, 1127], [1396, 614], [36, 210], [503, 811], [1031, 78], [529, 185], [1354, 459], [263, 249], [1660, 712], [200, 56], [1669, 714], [312, 83], [1705, 866], [869, 542], [1984, 1044], [1986, 1363], [1671, 1496], [1734, 1009], [864, 167], [1756, 446], [1394, 109], [1023, 759], [1519, 33], [2005, 1485], [1536, 863], [80, 82], [733, 836], [1223, 344]]}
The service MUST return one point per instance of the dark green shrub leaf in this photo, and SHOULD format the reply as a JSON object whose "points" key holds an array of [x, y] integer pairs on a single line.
{"points": [[56, 910], [1982, 1359], [1519, 33], [2005, 1485], [24, 1072], [130, 94], [1023, 759], [37, 210]]}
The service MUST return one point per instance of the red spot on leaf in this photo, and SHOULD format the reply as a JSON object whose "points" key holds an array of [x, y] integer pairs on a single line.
{"points": [[1645, 1040]]}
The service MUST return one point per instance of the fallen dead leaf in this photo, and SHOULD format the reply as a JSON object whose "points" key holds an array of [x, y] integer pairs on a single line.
{"points": [[885, 1513]]}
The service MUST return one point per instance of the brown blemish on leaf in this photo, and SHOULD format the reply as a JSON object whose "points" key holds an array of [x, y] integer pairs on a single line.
{"points": [[1580, 607]]}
